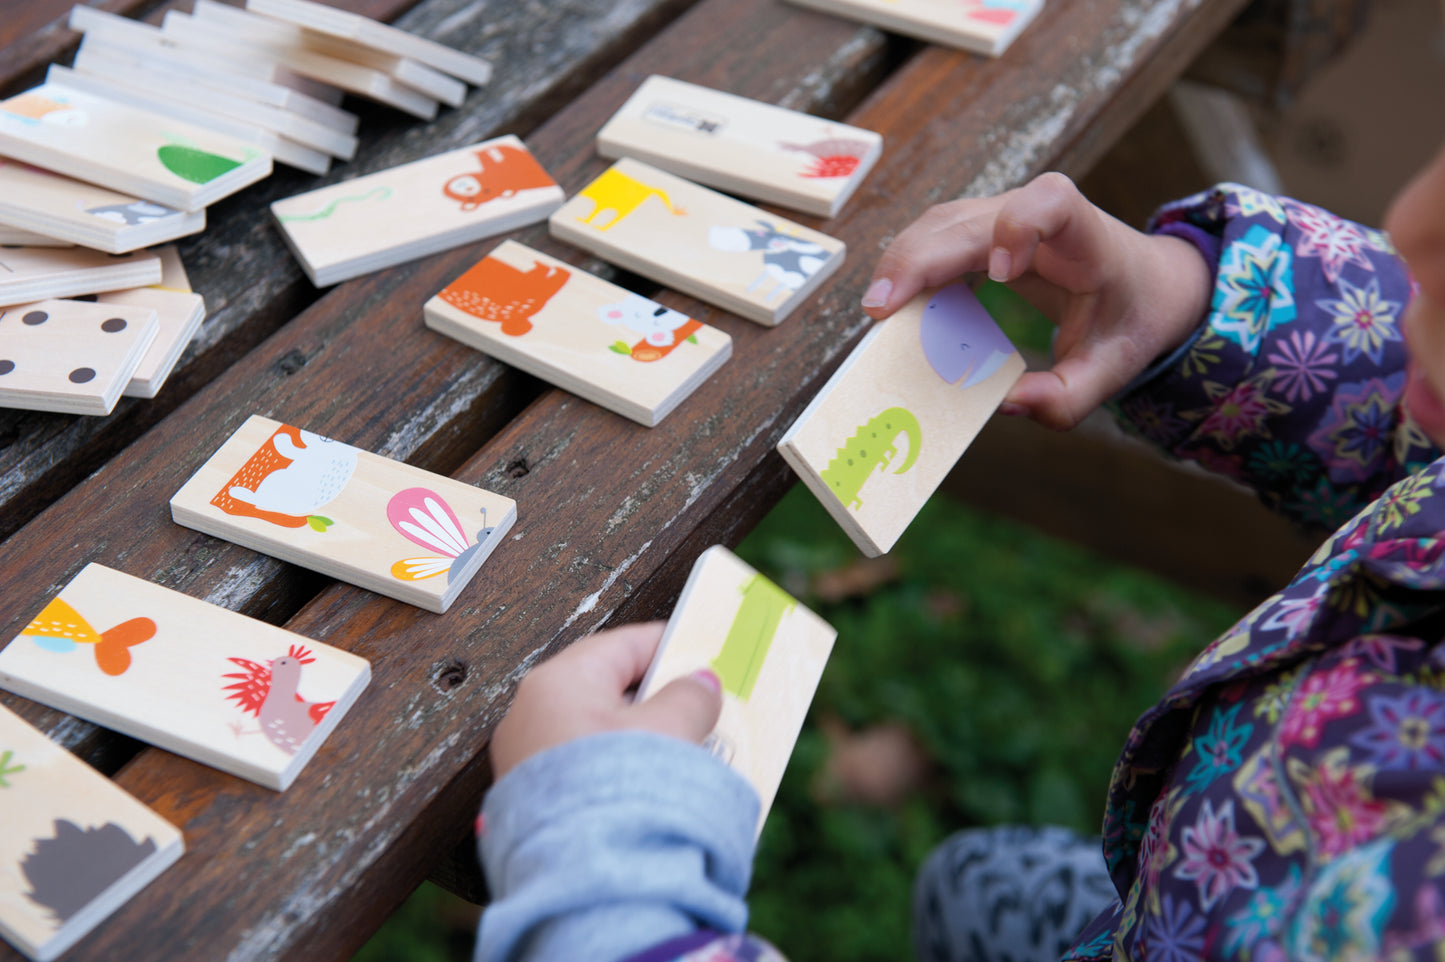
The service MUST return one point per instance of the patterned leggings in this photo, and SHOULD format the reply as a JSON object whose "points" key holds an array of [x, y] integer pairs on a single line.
{"points": [[1008, 894]]}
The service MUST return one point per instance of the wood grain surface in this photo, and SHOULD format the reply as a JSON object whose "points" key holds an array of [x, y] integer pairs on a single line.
{"points": [[611, 514]]}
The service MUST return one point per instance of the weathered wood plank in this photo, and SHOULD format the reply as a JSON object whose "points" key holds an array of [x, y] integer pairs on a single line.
{"points": [[542, 55], [341, 369], [607, 508]]}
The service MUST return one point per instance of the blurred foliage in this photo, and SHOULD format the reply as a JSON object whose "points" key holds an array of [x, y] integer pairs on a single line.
{"points": [[1019, 662]]}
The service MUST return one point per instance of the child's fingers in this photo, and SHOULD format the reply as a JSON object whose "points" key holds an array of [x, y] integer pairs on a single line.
{"points": [[616, 658], [1049, 211], [686, 707], [948, 240], [1064, 395]]}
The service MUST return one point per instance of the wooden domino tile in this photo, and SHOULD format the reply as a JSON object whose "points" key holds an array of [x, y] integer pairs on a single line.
{"points": [[698, 241], [75, 846], [179, 313], [742, 146], [185, 675], [343, 24], [767, 650], [80, 213], [35, 273], [368, 520], [595, 339], [69, 356], [346, 75], [120, 38], [982, 26], [402, 213], [127, 149], [895, 418], [283, 36]]}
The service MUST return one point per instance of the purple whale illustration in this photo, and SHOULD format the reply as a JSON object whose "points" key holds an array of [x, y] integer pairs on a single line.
{"points": [[959, 338]]}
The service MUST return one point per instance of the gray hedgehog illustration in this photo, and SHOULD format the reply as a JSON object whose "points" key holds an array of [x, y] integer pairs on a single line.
{"points": [[67, 872]]}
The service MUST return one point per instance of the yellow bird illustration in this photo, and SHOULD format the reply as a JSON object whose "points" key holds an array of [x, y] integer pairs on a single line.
{"points": [[60, 628]]}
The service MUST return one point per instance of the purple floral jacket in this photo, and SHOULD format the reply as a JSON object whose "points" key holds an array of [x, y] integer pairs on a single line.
{"points": [[1286, 798]]}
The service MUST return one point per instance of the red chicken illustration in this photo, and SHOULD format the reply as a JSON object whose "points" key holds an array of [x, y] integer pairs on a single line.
{"points": [[270, 693]]}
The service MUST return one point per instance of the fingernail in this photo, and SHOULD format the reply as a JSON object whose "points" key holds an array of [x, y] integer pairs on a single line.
{"points": [[877, 293], [1012, 410], [999, 264], [708, 677]]}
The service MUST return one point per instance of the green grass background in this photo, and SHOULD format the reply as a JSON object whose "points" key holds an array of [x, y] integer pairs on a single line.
{"points": [[1019, 662]]}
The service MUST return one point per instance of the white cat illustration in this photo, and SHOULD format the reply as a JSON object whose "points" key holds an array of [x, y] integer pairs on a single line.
{"points": [[319, 469], [650, 319]]}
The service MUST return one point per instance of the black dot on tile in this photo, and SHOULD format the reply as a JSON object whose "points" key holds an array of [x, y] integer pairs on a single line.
{"points": [[112, 325], [35, 317], [81, 375], [6, 367]]}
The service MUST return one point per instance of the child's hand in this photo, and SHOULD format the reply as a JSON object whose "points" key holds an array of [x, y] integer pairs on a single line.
{"points": [[1120, 298], [584, 690]]}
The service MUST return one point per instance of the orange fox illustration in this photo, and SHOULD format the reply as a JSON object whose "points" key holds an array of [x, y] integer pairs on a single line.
{"points": [[494, 290]]}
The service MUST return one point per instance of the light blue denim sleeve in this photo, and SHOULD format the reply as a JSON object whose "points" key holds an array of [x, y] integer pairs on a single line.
{"points": [[607, 845]]}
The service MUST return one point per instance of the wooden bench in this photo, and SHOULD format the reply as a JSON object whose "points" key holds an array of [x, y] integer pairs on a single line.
{"points": [[610, 514]]}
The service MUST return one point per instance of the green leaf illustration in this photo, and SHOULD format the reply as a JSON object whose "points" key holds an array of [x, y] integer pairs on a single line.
{"points": [[692, 339], [621, 347], [7, 769], [319, 522]]}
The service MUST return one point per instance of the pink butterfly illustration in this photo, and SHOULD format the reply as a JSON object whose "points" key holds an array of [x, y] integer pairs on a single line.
{"points": [[423, 517]]}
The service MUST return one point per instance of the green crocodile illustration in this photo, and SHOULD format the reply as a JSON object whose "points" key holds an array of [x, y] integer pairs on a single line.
{"points": [[746, 646], [870, 447]]}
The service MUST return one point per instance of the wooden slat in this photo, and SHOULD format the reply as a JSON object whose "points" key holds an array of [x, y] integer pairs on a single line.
{"points": [[347, 373], [610, 514], [542, 54]]}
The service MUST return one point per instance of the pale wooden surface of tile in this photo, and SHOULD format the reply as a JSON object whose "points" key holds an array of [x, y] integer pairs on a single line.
{"points": [[743, 146], [265, 82], [895, 418], [352, 77], [983, 26], [769, 652], [71, 356], [177, 82], [698, 241], [179, 314], [126, 149], [379, 36], [36, 273], [347, 513], [284, 36], [173, 686], [595, 339], [42, 787], [420, 208], [83, 213]]}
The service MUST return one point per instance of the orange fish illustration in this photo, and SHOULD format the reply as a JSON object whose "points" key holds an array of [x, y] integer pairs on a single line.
{"points": [[60, 628]]}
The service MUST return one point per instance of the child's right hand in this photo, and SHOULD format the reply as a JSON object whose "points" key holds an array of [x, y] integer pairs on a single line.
{"points": [[586, 690], [1120, 298]]}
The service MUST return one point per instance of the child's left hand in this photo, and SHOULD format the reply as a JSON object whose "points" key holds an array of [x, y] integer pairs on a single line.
{"points": [[585, 690]]}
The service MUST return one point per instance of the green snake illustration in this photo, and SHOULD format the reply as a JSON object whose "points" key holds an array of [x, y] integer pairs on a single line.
{"points": [[746, 646], [381, 193], [871, 446]]}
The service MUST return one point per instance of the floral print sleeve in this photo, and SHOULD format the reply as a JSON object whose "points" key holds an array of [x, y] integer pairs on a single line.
{"points": [[1285, 799], [1293, 384]]}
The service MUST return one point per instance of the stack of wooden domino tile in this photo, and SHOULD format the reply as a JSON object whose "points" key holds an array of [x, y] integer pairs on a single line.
{"points": [[127, 147]]}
